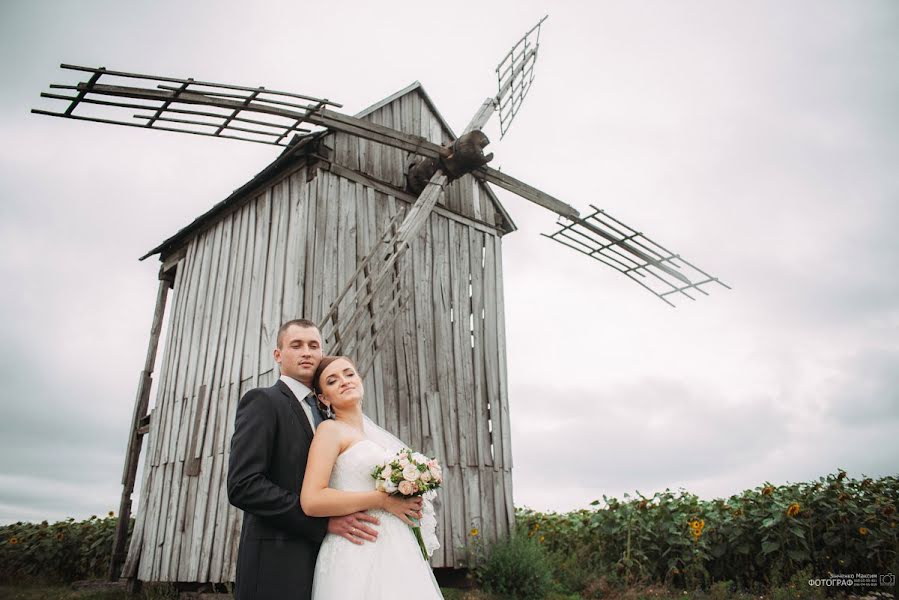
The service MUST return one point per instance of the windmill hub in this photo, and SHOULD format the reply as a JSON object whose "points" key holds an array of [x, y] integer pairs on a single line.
{"points": [[462, 156]]}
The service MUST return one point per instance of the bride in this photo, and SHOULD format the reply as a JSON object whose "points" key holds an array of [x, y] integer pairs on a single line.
{"points": [[338, 481]]}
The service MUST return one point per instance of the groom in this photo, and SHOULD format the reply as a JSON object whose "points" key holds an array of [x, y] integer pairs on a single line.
{"points": [[273, 429]]}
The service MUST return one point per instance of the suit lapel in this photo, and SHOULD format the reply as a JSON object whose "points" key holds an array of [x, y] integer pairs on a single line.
{"points": [[295, 407]]}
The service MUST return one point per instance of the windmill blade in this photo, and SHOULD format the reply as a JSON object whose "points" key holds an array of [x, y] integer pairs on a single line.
{"points": [[215, 109], [520, 188], [514, 75], [614, 244], [170, 105], [571, 214]]}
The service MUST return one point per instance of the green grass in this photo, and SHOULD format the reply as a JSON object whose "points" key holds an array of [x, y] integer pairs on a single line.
{"points": [[162, 592], [65, 592]]}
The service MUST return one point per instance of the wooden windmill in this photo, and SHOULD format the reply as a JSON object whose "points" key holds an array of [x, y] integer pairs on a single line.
{"points": [[381, 226]]}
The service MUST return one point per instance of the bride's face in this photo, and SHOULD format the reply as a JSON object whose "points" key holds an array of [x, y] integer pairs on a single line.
{"points": [[341, 385]]}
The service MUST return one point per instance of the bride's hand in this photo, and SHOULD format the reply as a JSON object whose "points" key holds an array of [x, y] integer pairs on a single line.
{"points": [[403, 507]]}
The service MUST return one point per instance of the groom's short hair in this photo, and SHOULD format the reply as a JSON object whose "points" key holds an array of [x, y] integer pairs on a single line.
{"points": [[298, 322]]}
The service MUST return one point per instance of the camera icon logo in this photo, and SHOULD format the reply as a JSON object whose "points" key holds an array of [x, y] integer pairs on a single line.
{"points": [[888, 579]]}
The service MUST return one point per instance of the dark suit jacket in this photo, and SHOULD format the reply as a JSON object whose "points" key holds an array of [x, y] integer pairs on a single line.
{"points": [[278, 543]]}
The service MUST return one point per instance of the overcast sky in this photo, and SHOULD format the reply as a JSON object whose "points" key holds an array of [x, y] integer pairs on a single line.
{"points": [[759, 140]]}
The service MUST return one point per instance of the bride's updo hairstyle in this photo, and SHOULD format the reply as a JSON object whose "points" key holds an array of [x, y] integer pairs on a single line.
{"points": [[327, 360]]}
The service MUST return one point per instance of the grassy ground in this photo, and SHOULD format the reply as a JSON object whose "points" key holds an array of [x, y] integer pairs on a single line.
{"points": [[45, 592]]}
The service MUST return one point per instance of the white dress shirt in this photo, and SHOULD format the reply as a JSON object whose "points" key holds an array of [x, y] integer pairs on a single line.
{"points": [[300, 391]]}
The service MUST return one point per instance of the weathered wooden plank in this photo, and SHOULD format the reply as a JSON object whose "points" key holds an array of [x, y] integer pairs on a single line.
{"points": [[410, 343], [422, 259], [377, 151], [259, 222], [342, 142], [383, 215], [220, 281], [167, 376], [459, 269], [491, 349], [197, 350], [503, 396], [320, 249], [485, 502], [500, 518], [471, 476], [309, 241], [188, 357], [219, 543], [172, 474], [214, 465], [234, 515], [478, 211], [295, 267], [458, 528], [402, 348], [479, 375], [327, 277], [273, 293], [510, 508], [442, 295], [174, 513], [231, 326], [345, 242], [466, 197], [181, 550], [525, 191], [415, 110], [260, 275], [135, 547], [184, 314], [149, 549], [368, 206]]}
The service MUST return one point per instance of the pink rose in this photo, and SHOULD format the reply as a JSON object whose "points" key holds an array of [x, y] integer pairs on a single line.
{"points": [[406, 488]]}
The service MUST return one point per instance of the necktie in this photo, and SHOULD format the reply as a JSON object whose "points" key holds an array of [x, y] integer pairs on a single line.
{"points": [[313, 404]]}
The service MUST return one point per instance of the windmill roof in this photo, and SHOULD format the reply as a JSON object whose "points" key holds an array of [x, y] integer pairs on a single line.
{"points": [[300, 146]]}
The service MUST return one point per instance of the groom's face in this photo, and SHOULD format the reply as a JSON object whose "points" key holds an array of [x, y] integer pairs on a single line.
{"points": [[299, 353]]}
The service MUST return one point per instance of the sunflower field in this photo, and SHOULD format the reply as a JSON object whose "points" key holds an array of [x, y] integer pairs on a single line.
{"points": [[756, 540], [60, 552]]}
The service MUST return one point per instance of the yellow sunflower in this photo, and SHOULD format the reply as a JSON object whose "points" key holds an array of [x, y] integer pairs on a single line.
{"points": [[793, 510]]}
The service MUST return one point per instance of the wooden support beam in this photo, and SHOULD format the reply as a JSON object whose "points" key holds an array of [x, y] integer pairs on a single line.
{"points": [[135, 439], [525, 191], [482, 116]]}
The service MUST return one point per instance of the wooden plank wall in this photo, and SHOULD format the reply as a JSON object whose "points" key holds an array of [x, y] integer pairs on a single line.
{"points": [[411, 114], [439, 383]]}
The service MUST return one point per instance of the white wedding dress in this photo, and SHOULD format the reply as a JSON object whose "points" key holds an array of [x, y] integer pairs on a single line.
{"points": [[390, 567]]}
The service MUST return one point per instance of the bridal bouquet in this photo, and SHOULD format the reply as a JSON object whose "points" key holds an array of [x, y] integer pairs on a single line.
{"points": [[412, 474]]}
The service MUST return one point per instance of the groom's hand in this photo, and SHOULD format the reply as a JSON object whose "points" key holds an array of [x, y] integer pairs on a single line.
{"points": [[353, 527]]}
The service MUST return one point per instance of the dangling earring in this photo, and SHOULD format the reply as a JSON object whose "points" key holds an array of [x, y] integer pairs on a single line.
{"points": [[325, 408]]}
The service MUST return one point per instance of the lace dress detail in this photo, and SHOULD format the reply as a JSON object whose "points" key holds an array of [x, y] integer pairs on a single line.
{"points": [[390, 567]]}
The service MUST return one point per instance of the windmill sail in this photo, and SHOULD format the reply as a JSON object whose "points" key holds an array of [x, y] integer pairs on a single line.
{"points": [[609, 241]]}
